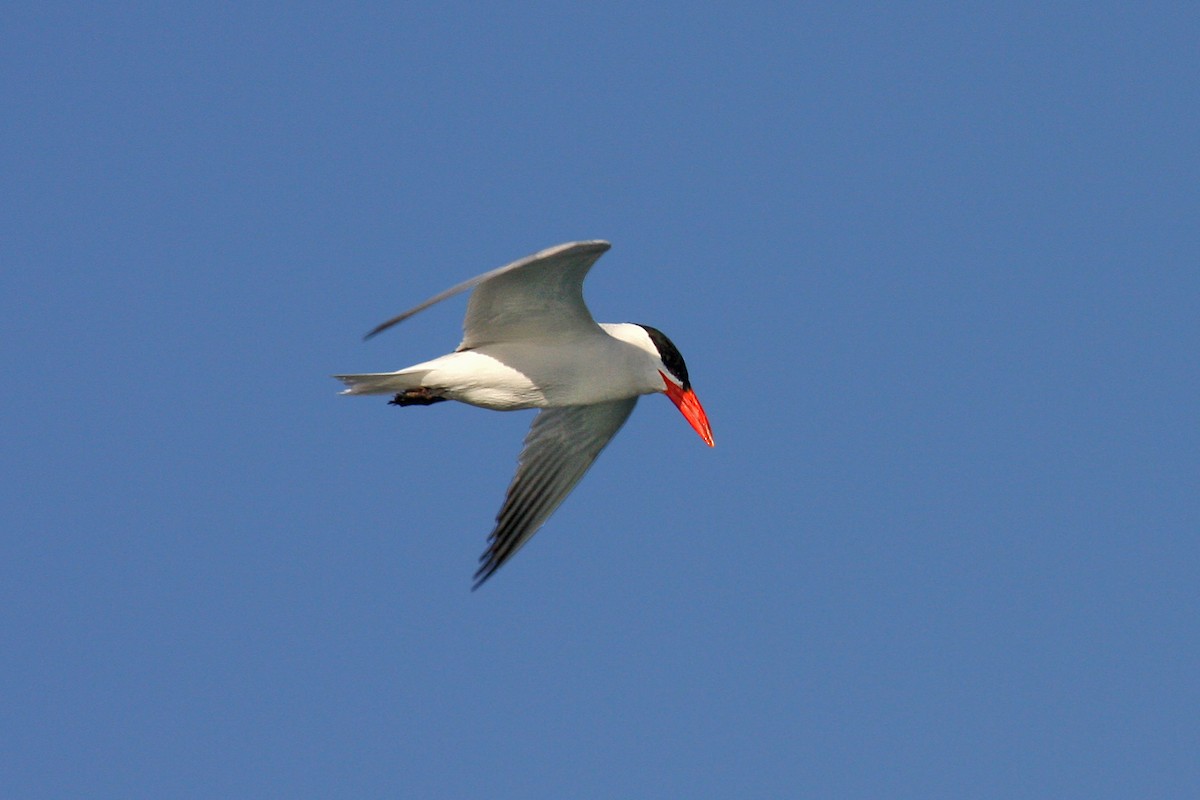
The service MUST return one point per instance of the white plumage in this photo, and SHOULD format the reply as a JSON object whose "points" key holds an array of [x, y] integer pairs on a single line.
{"points": [[529, 341]]}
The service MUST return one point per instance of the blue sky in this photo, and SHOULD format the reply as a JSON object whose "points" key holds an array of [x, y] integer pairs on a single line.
{"points": [[935, 269]]}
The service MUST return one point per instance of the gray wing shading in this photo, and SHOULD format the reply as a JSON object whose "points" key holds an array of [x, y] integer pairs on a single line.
{"points": [[560, 447], [538, 296]]}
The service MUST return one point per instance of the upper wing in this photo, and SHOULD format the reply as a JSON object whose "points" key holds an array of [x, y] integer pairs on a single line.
{"points": [[540, 296], [561, 445]]}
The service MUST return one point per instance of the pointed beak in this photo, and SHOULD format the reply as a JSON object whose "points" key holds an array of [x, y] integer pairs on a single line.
{"points": [[689, 406]]}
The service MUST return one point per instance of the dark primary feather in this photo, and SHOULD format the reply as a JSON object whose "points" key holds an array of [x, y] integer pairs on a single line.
{"points": [[561, 445]]}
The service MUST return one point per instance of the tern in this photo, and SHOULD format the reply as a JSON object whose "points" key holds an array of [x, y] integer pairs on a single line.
{"points": [[529, 341]]}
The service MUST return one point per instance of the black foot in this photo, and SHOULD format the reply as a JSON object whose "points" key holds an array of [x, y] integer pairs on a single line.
{"points": [[416, 397]]}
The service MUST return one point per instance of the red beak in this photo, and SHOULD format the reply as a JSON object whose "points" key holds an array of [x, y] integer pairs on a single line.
{"points": [[687, 403]]}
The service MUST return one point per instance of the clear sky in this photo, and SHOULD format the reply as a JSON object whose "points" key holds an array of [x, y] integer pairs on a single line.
{"points": [[935, 269]]}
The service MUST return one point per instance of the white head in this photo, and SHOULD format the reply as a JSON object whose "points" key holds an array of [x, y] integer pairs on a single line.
{"points": [[669, 365]]}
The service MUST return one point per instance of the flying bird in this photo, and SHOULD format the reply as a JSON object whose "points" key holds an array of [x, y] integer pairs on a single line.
{"points": [[529, 341]]}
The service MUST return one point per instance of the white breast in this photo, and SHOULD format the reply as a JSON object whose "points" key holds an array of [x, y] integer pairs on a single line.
{"points": [[513, 375]]}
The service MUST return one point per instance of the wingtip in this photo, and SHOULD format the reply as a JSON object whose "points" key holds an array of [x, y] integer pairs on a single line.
{"points": [[489, 564], [481, 577], [383, 326]]}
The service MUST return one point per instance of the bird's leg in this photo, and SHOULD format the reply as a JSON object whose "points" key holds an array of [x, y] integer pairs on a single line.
{"points": [[419, 396]]}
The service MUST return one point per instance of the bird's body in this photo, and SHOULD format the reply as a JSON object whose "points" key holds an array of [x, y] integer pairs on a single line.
{"points": [[530, 342], [505, 376]]}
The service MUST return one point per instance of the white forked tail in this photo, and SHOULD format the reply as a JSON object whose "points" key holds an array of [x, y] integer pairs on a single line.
{"points": [[381, 382]]}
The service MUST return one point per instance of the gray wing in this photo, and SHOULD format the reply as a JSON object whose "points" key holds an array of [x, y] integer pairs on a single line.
{"points": [[539, 296], [560, 447]]}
